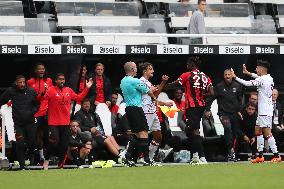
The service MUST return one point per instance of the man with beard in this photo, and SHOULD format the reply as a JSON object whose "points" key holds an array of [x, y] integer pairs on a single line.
{"points": [[24, 107], [59, 100], [229, 97]]}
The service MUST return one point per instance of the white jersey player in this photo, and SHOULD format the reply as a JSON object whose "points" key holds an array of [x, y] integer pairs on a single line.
{"points": [[149, 107], [264, 83]]}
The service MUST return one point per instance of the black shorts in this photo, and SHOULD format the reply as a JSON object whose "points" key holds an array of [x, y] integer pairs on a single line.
{"points": [[193, 117], [41, 121], [136, 118]]}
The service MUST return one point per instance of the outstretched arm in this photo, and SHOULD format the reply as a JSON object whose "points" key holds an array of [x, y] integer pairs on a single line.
{"points": [[172, 85], [244, 82]]}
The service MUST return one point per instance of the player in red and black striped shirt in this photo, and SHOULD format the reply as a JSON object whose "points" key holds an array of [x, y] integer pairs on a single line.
{"points": [[197, 86]]}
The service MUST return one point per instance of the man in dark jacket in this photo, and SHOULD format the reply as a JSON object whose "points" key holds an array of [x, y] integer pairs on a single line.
{"points": [[277, 120], [79, 146], [246, 138], [24, 106], [101, 91], [90, 121], [229, 97]]}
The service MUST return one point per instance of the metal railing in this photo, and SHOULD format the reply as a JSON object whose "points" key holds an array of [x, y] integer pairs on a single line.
{"points": [[161, 35]]}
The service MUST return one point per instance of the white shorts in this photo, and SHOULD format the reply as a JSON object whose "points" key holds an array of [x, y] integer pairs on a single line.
{"points": [[153, 122], [264, 121]]}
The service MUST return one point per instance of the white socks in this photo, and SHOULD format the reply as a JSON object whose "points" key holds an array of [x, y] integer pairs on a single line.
{"points": [[272, 144], [260, 143], [153, 147], [41, 154]]}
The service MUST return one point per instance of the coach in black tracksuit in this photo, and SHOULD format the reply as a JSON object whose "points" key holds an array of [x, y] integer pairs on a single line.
{"points": [[229, 98], [24, 106]]}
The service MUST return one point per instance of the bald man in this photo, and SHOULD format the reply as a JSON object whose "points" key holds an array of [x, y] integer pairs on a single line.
{"points": [[277, 119], [133, 89]]}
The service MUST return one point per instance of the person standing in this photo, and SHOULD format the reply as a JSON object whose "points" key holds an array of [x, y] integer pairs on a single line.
{"points": [[101, 91], [59, 100], [197, 86], [25, 105], [149, 107], [277, 119], [132, 89], [264, 83], [229, 97], [197, 23], [40, 82]]}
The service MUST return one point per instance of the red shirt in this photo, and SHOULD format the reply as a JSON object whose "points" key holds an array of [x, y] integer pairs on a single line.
{"points": [[38, 85], [195, 84], [114, 108], [59, 104], [100, 90], [180, 105], [82, 86]]}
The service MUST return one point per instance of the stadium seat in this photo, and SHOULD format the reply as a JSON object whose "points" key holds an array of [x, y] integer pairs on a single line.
{"points": [[119, 99], [12, 21], [7, 120], [105, 116], [37, 25]]}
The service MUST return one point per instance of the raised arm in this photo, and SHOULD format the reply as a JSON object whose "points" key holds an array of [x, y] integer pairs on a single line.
{"points": [[244, 82], [246, 72], [162, 85]]}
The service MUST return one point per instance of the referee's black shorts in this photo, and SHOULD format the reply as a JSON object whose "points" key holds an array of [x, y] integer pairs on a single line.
{"points": [[193, 117], [136, 118]]}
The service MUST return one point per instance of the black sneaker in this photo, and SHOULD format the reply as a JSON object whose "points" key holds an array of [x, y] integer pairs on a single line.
{"points": [[127, 163], [231, 158], [152, 163]]}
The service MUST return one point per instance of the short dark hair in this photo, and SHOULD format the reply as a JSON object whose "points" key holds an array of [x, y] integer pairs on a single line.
{"points": [[263, 63], [59, 74], [35, 67], [253, 93], [74, 120], [144, 66], [85, 100], [193, 62], [251, 104], [199, 1], [19, 77]]}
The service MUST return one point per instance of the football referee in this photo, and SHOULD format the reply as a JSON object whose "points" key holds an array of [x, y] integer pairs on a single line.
{"points": [[132, 89]]}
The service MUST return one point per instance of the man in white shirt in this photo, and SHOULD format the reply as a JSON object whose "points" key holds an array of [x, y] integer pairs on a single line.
{"points": [[149, 107], [264, 83]]}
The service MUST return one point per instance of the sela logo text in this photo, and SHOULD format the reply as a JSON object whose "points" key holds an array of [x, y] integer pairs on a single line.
{"points": [[11, 50], [76, 50], [140, 50], [172, 50], [109, 50], [44, 50], [234, 50], [203, 50], [264, 50]]}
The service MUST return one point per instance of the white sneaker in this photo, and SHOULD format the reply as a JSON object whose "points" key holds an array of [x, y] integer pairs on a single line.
{"points": [[91, 167], [195, 159], [121, 155], [80, 167], [140, 160], [203, 160]]}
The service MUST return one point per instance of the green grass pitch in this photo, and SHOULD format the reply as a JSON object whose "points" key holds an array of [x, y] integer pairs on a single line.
{"points": [[229, 176]]}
